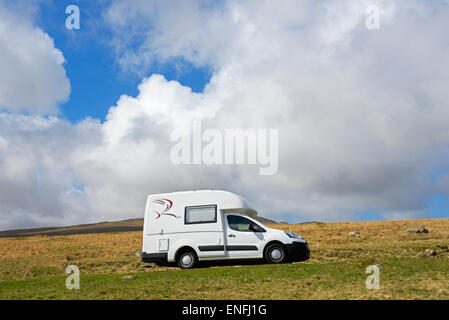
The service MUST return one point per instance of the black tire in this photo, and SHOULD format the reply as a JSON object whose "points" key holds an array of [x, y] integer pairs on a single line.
{"points": [[273, 251], [184, 262]]}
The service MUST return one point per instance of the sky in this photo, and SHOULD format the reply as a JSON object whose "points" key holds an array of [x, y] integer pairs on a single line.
{"points": [[88, 116]]}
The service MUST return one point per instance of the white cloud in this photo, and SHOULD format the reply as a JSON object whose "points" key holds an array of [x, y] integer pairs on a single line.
{"points": [[362, 114], [32, 76], [37, 172], [53, 172]]}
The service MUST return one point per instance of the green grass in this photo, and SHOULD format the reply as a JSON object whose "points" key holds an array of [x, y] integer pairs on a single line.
{"points": [[34, 267], [400, 278]]}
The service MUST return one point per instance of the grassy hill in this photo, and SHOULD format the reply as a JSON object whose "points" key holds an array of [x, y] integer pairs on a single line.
{"points": [[100, 227], [33, 267]]}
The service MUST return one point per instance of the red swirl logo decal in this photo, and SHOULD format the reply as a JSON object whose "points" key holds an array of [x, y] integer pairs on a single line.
{"points": [[167, 204]]}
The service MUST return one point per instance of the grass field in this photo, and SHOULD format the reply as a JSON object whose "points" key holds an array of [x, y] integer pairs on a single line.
{"points": [[34, 267]]}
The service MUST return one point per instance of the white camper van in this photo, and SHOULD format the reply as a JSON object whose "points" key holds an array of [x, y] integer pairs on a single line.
{"points": [[192, 226]]}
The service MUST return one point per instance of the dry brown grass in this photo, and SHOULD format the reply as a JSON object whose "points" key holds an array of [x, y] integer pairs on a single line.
{"points": [[38, 256], [330, 241], [96, 253]]}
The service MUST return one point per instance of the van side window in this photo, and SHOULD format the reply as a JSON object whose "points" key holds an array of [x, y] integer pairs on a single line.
{"points": [[200, 214], [239, 223]]}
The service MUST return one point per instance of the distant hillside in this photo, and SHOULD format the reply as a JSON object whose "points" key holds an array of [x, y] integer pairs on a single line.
{"points": [[265, 220], [101, 227]]}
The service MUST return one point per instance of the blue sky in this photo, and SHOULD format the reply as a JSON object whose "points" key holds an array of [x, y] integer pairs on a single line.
{"points": [[361, 113], [96, 79]]}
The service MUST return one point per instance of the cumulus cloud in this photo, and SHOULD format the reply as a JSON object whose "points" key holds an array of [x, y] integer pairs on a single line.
{"points": [[53, 172], [38, 182], [362, 114], [32, 76]]}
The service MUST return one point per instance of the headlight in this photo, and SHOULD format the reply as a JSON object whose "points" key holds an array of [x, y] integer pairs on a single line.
{"points": [[292, 235]]}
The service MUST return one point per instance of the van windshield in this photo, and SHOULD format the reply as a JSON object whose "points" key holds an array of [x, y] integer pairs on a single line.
{"points": [[239, 223]]}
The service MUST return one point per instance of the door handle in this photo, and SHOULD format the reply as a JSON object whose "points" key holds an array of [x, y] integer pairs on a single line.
{"points": [[231, 236]]}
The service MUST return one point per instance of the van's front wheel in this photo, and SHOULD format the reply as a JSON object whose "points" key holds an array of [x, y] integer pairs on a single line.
{"points": [[187, 260], [275, 253]]}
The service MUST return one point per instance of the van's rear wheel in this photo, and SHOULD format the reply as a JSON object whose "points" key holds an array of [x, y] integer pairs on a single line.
{"points": [[275, 253], [187, 260]]}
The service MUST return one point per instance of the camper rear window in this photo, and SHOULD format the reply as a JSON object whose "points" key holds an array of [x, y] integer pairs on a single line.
{"points": [[201, 214]]}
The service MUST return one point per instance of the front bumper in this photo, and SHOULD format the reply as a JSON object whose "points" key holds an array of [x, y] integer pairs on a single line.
{"points": [[154, 257], [298, 251]]}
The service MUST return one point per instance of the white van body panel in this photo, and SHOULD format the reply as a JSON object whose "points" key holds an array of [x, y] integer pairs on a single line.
{"points": [[166, 229]]}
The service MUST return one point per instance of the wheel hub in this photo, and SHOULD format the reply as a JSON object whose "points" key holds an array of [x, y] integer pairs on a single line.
{"points": [[276, 254], [186, 260]]}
